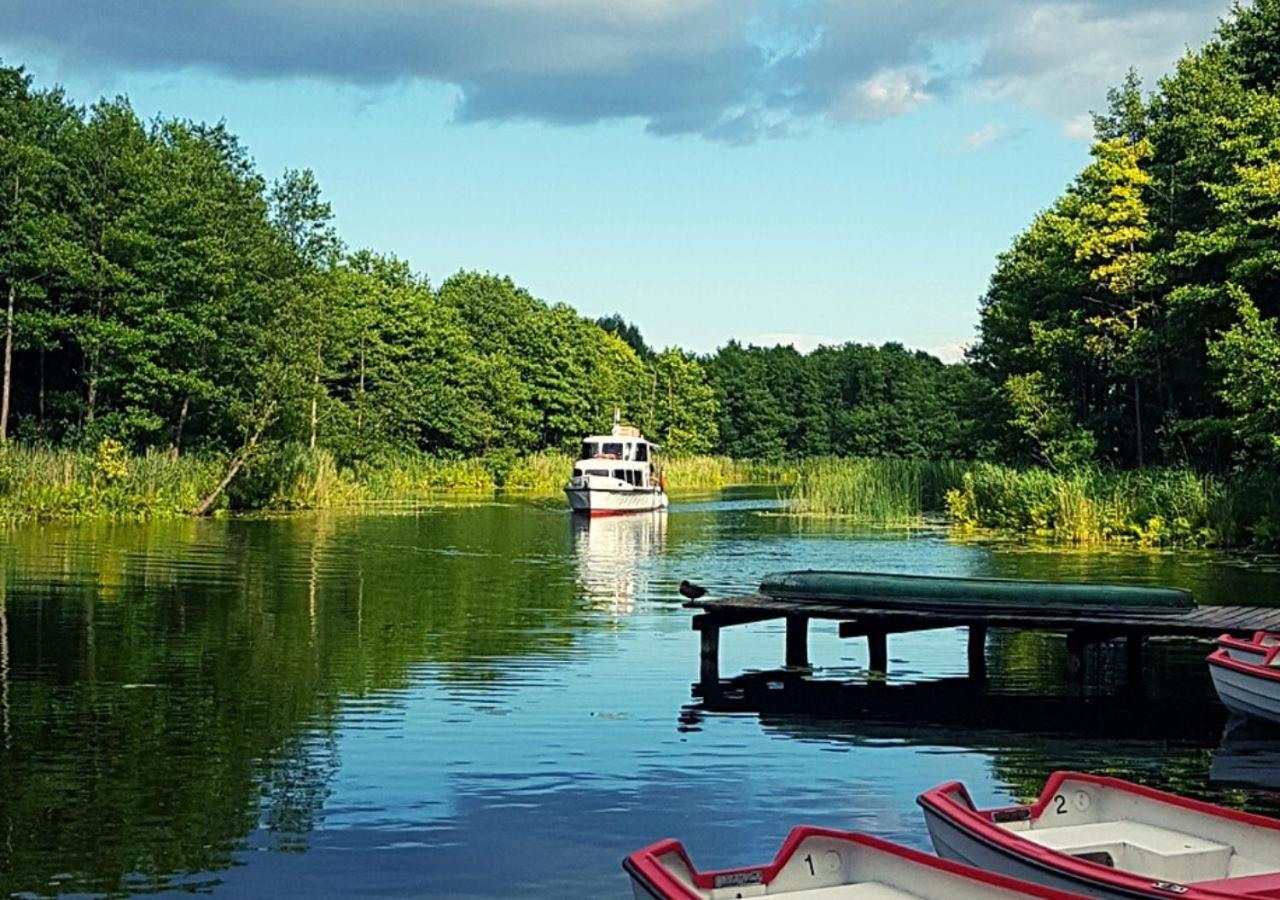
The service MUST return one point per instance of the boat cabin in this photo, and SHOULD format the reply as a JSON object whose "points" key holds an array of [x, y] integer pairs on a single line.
{"points": [[621, 458]]}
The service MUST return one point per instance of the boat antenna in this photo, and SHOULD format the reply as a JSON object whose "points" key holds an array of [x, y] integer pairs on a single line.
{"points": [[617, 420]]}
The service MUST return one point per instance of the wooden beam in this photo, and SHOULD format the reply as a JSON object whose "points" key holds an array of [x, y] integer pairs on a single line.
{"points": [[709, 676], [726, 618], [797, 642], [859, 629], [978, 652], [1133, 646], [878, 647]]}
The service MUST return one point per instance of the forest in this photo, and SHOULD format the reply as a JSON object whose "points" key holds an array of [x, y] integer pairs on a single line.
{"points": [[164, 299]]}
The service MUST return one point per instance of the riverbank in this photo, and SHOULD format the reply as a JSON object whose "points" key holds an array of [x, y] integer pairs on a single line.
{"points": [[1156, 507], [107, 483]]}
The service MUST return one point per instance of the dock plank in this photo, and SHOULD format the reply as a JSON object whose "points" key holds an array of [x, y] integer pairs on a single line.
{"points": [[1204, 621]]}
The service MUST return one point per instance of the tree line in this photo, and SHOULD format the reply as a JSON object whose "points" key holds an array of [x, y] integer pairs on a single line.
{"points": [[160, 291], [1134, 321]]}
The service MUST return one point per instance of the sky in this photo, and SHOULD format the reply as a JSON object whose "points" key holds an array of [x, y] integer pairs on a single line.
{"points": [[795, 171]]}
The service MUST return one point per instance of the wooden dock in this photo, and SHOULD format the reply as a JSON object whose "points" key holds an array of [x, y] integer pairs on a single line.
{"points": [[1081, 626]]}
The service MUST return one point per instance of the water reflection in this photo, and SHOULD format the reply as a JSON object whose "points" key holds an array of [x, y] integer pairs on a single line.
{"points": [[613, 554], [445, 703], [1248, 755]]}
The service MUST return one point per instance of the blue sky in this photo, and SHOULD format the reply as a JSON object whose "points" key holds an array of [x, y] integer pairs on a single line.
{"points": [[796, 171]]}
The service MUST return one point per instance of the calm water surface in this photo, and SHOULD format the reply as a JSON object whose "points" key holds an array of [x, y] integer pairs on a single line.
{"points": [[494, 700]]}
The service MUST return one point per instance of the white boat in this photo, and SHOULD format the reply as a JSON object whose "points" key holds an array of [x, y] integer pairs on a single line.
{"points": [[617, 473], [1103, 837], [1249, 688], [822, 864], [1252, 650]]}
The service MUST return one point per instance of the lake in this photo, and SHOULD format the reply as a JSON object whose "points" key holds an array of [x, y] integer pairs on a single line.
{"points": [[493, 700]]}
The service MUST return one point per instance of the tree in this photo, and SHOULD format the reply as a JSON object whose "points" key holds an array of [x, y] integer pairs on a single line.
{"points": [[1249, 356], [1113, 240], [685, 409], [34, 207]]}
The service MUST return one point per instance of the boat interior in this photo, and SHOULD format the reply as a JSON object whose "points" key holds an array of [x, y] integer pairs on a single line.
{"points": [[820, 865], [1144, 835], [1260, 649]]}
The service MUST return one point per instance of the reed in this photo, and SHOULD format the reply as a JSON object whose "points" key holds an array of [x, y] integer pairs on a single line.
{"points": [[876, 491], [698, 473], [43, 484], [1152, 507]]}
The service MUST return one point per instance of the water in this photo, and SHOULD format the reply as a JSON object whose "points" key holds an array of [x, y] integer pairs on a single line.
{"points": [[493, 700]]}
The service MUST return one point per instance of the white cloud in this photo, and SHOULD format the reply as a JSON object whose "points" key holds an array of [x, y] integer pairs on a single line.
{"points": [[731, 70], [1079, 127], [887, 94], [982, 137]]}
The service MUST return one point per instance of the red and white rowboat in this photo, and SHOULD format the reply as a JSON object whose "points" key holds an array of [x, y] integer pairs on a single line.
{"points": [[1249, 688], [1254, 650], [822, 864], [1103, 837]]}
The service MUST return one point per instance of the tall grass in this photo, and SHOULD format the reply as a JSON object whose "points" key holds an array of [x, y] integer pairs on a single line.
{"points": [[1154, 507], [878, 491], [42, 484]]}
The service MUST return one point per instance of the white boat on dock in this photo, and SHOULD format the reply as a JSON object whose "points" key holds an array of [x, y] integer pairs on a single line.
{"points": [[1104, 837], [617, 473], [823, 864]]}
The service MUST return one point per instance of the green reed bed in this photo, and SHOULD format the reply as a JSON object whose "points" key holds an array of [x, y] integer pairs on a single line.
{"points": [[876, 491], [1151, 507], [43, 484]]}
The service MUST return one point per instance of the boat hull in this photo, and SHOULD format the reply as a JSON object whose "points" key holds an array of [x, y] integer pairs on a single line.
{"points": [[1102, 837], [597, 502], [1243, 688]]}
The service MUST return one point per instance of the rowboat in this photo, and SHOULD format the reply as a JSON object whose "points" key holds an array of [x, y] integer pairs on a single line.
{"points": [[1251, 650], [1249, 688], [822, 864], [1104, 837], [867, 589]]}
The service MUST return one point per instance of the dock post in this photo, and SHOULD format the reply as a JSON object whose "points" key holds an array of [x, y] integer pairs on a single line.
{"points": [[878, 646], [797, 642], [709, 677], [1133, 646], [1076, 644], [978, 652]]}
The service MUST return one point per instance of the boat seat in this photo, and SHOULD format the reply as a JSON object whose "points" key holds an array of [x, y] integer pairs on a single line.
{"points": [[1141, 848], [864, 891]]}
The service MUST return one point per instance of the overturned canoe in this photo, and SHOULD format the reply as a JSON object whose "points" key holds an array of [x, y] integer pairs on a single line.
{"points": [[932, 592]]}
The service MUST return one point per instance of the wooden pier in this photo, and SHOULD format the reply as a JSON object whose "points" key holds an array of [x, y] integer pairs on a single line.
{"points": [[1081, 626]]}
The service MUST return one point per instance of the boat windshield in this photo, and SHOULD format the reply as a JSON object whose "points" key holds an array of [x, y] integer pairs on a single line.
{"points": [[588, 449], [612, 450], [642, 452]]}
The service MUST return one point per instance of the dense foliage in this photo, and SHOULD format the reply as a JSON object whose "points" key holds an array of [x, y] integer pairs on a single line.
{"points": [[157, 291], [161, 293], [1135, 321]]}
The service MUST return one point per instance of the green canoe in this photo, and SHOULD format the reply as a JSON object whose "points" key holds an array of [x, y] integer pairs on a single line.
{"points": [[929, 592]]}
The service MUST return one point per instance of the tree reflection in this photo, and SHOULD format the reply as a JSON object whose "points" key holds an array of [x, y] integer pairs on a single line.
{"points": [[169, 690]]}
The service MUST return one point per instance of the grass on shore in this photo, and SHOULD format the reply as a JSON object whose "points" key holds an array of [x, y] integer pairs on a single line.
{"points": [[1150, 507]]}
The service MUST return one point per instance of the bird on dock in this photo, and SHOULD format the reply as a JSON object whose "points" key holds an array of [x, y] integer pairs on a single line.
{"points": [[691, 591]]}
